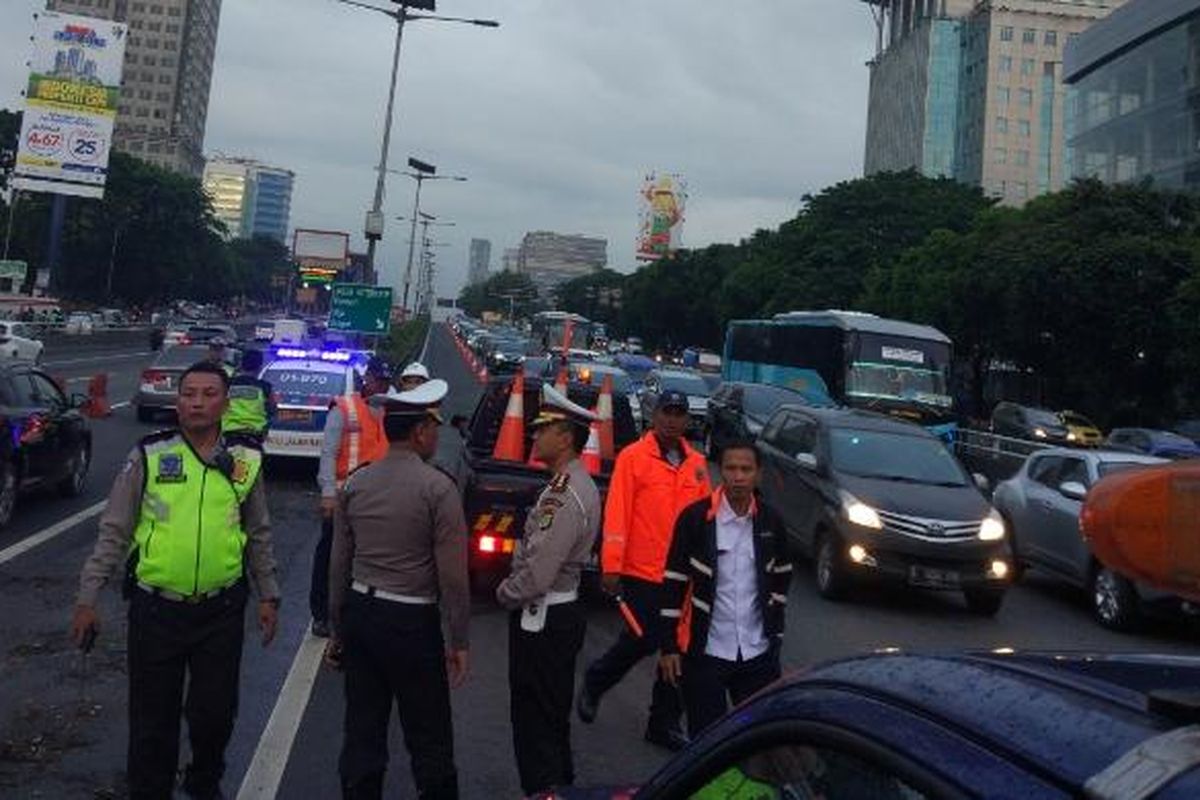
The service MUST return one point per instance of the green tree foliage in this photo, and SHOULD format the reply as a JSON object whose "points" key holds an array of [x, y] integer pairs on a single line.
{"points": [[597, 296], [494, 295]]}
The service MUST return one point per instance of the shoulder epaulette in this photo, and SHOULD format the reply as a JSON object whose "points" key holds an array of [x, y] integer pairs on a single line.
{"points": [[163, 435], [558, 483]]}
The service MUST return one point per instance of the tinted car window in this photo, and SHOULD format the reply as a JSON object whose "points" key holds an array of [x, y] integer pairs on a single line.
{"points": [[893, 456], [45, 390], [305, 387], [688, 384], [23, 394], [1039, 416], [798, 435], [1073, 469], [761, 401], [1045, 470]]}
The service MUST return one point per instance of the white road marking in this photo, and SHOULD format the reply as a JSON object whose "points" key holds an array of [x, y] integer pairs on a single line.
{"points": [[45, 535], [275, 745], [115, 406], [94, 359]]}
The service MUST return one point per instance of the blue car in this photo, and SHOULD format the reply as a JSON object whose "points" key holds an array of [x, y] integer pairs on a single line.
{"points": [[907, 727], [1150, 442]]}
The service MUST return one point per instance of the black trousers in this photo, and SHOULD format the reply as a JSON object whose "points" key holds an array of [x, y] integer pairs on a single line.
{"points": [[541, 682], [710, 684], [393, 654], [169, 641], [644, 598], [318, 591]]}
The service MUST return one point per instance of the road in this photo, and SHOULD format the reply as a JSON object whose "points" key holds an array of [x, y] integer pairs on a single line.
{"points": [[62, 721]]}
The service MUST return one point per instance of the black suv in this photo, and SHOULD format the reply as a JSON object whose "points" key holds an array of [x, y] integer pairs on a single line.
{"points": [[869, 496], [740, 410], [44, 439], [1027, 422]]}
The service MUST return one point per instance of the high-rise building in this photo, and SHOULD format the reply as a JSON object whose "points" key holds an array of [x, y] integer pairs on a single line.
{"points": [[511, 260], [252, 199], [168, 72], [551, 259], [1135, 78], [479, 261], [973, 89]]}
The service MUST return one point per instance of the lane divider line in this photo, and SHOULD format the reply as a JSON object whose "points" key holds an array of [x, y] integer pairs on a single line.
{"points": [[266, 769], [46, 534]]}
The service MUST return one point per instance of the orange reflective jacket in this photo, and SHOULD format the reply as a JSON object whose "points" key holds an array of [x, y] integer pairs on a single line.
{"points": [[363, 439], [645, 495]]}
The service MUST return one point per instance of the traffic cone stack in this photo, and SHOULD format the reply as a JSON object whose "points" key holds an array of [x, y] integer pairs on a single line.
{"points": [[591, 451], [604, 410], [510, 444], [97, 402]]}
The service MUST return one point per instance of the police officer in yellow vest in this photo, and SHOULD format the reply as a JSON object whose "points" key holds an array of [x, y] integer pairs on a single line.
{"points": [[190, 513], [250, 405]]}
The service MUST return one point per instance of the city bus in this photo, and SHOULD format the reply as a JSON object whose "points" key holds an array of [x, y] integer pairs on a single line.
{"points": [[848, 358], [549, 330]]}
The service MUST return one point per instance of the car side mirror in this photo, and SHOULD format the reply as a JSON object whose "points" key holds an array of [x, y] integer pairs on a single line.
{"points": [[807, 460], [1073, 490], [77, 400], [981, 482]]}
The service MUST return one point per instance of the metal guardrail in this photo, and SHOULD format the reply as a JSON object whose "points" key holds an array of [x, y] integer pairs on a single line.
{"points": [[996, 457]]}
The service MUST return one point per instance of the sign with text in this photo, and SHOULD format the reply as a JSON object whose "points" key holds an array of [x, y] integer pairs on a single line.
{"points": [[70, 105], [360, 309]]}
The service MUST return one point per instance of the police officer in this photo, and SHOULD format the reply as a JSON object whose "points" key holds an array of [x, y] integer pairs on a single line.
{"points": [[400, 553], [353, 437], [547, 624], [412, 376], [250, 404], [193, 512]]}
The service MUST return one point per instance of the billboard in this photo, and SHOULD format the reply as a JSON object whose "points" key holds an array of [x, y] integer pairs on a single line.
{"points": [[320, 255], [70, 104], [663, 199]]}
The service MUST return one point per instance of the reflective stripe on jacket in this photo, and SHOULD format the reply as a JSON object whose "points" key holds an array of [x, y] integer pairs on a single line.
{"points": [[363, 440]]}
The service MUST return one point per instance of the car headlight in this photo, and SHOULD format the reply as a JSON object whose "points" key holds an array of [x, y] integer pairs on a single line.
{"points": [[1040, 433], [1071, 437], [859, 513], [992, 528]]}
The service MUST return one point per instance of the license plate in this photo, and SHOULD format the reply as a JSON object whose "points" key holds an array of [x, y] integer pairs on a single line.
{"points": [[294, 415], [934, 578]]}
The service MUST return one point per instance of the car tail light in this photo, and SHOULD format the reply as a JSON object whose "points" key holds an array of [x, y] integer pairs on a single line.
{"points": [[487, 544], [34, 429], [153, 376]]}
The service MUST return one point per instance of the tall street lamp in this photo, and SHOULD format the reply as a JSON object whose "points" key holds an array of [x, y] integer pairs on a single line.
{"points": [[373, 228], [421, 172]]}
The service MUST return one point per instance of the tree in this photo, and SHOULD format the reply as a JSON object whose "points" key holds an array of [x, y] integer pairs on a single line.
{"points": [[500, 293], [256, 262], [597, 296]]}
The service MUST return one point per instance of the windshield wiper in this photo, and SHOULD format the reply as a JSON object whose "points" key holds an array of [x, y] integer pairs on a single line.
{"points": [[910, 479]]}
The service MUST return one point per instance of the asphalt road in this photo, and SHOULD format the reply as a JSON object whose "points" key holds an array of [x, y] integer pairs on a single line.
{"points": [[62, 721]]}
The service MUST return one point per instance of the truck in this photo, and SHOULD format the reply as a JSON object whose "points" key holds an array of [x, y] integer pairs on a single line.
{"points": [[499, 494]]}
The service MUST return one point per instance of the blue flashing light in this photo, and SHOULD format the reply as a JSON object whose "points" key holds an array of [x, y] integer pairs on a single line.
{"points": [[335, 355], [291, 352]]}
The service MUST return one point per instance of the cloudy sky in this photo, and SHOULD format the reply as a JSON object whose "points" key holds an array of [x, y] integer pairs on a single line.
{"points": [[554, 118]]}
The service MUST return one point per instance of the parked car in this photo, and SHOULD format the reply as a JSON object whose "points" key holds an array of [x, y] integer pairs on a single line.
{"points": [[914, 727], [1151, 442], [740, 411], [45, 440], [1081, 431], [594, 373], [1041, 506], [1028, 422], [19, 340], [159, 383], [865, 495], [1189, 428], [506, 355], [176, 334], [680, 380], [207, 331], [80, 323]]}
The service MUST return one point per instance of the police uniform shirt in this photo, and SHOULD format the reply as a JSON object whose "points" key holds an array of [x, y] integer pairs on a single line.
{"points": [[560, 532], [399, 527], [120, 518]]}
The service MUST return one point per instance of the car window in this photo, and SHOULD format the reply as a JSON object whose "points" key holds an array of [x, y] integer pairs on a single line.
{"points": [[798, 435], [1073, 470], [891, 456], [23, 394], [688, 384], [45, 391], [770, 433], [762, 400], [804, 771], [1044, 470]]}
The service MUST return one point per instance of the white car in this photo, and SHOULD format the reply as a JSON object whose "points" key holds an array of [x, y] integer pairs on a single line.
{"points": [[304, 384], [81, 323], [17, 341]]}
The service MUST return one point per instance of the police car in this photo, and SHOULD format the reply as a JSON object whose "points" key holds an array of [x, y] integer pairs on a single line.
{"points": [[305, 383]]}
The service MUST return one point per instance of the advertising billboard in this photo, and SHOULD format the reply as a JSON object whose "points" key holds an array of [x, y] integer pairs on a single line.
{"points": [[70, 105], [320, 255], [663, 199]]}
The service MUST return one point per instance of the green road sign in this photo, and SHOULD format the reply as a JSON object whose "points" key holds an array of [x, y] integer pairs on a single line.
{"points": [[360, 308], [13, 269]]}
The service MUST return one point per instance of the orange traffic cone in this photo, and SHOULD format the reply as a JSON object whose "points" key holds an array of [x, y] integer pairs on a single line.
{"points": [[560, 383], [591, 451], [97, 402], [604, 410], [510, 444]]}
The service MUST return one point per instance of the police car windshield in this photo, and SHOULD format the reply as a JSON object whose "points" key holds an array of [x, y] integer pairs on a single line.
{"points": [[296, 386]]}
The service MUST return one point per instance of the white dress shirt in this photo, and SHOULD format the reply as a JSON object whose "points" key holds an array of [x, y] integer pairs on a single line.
{"points": [[737, 626]]}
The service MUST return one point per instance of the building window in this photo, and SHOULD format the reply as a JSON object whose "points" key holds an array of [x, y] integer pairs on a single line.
{"points": [[1029, 36], [1027, 66], [142, 112], [1023, 127], [1002, 95], [1025, 97], [1051, 39], [1001, 124], [1000, 155], [1022, 188], [1022, 158], [1006, 63], [139, 8], [1006, 33]]}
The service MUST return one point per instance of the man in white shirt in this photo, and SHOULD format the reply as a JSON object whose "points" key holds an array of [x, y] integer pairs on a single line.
{"points": [[729, 550]]}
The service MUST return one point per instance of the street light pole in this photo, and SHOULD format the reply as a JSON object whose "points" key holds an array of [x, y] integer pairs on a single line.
{"points": [[374, 226], [422, 172]]}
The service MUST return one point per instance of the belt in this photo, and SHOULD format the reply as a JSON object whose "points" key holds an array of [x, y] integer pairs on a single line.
{"points": [[176, 597], [407, 599], [558, 598]]}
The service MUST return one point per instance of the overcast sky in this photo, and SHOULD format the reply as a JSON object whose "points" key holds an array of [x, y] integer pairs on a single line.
{"points": [[555, 117]]}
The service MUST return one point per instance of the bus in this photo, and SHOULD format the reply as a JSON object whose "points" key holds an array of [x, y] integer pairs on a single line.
{"points": [[549, 330], [848, 358]]}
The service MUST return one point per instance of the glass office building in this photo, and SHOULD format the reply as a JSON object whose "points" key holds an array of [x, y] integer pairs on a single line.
{"points": [[1135, 105]]}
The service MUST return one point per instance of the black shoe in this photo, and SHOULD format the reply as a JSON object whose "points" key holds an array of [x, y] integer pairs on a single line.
{"points": [[320, 629], [586, 705], [672, 739]]}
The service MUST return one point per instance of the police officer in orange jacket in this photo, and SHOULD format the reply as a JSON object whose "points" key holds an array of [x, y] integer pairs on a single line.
{"points": [[653, 480]]}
